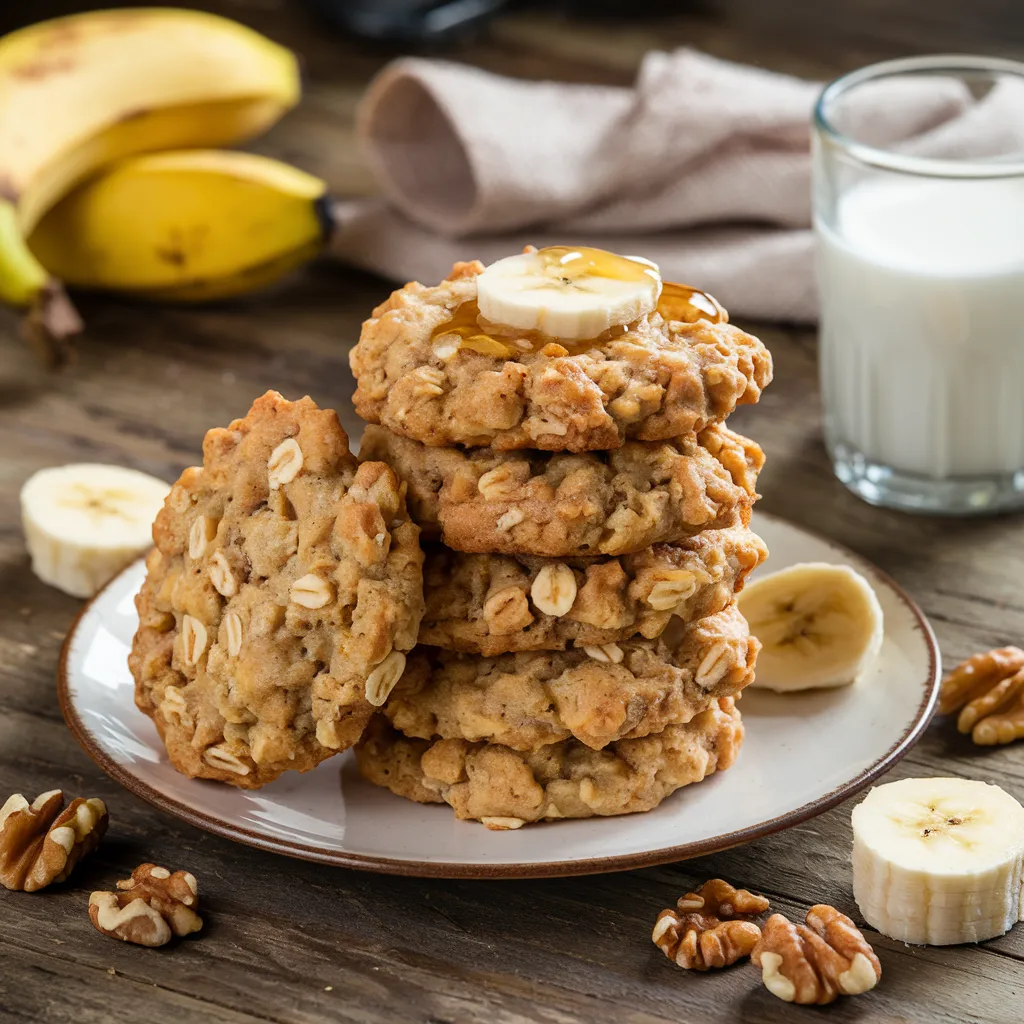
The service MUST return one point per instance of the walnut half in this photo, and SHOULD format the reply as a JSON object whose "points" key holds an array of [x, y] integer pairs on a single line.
{"points": [[148, 908], [709, 927], [988, 691], [41, 842], [816, 962]]}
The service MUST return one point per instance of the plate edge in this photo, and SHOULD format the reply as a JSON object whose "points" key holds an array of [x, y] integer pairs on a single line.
{"points": [[546, 869]]}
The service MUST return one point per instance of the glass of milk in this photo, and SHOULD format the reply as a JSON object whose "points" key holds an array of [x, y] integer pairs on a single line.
{"points": [[919, 220]]}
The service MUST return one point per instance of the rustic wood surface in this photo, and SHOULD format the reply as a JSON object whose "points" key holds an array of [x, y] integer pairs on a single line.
{"points": [[288, 941]]}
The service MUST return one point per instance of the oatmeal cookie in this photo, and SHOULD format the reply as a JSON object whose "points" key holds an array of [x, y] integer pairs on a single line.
{"points": [[504, 788], [596, 695], [654, 380], [561, 505], [495, 604], [285, 584]]}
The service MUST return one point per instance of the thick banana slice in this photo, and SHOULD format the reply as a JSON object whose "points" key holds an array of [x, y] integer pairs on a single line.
{"points": [[938, 861], [819, 624], [84, 523], [568, 293]]}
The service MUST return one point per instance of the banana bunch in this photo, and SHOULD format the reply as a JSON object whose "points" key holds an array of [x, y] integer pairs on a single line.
{"points": [[98, 90]]}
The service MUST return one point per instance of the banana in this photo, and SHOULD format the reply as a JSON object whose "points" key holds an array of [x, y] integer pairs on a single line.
{"points": [[938, 861], [568, 293], [85, 522], [80, 92], [819, 625], [184, 226]]}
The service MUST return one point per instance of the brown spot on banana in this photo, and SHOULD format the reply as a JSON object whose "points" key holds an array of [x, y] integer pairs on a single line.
{"points": [[134, 114], [43, 66], [173, 254]]}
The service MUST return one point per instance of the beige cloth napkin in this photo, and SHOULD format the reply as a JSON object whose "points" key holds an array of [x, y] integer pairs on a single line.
{"points": [[703, 166]]}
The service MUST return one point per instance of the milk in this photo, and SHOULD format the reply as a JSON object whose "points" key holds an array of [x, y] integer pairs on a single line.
{"points": [[922, 325]]}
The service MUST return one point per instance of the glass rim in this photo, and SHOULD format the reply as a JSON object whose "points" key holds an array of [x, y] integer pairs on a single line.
{"points": [[885, 159]]}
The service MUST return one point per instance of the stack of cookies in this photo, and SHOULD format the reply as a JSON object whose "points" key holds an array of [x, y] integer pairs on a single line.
{"points": [[558, 419]]}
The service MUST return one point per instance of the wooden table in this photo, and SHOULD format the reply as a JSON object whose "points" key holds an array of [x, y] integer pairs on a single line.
{"points": [[287, 941]]}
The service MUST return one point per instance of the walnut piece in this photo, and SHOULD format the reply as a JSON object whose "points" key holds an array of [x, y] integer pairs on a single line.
{"points": [[42, 842], [498, 484], [816, 962], [148, 908], [709, 927], [988, 691], [513, 517]]}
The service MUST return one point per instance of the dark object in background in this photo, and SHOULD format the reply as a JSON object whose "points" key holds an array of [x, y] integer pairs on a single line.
{"points": [[408, 21], [428, 22]]}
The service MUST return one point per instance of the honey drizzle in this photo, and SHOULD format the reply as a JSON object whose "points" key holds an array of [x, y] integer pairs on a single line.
{"points": [[582, 261], [677, 302], [495, 340], [681, 302]]}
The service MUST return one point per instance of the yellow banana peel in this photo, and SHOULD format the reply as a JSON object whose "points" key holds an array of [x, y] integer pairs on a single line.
{"points": [[185, 226]]}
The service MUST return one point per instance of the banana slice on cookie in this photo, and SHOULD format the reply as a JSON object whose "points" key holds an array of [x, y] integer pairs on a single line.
{"points": [[938, 861], [820, 625], [565, 292], [85, 522]]}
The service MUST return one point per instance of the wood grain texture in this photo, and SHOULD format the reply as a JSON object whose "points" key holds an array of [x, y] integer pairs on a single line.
{"points": [[292, 942]]}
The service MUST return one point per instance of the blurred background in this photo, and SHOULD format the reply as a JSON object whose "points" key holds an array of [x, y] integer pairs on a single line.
{"points": [[341, 43], [295, 337]]}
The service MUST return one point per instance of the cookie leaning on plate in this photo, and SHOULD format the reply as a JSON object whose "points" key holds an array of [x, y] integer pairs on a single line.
{"points": [[504, 788], [565, 505], [495, 604], [431, 369], [594, 694], [285, 584]]}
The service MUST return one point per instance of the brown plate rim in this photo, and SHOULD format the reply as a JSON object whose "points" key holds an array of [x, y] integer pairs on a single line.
{"points": [[548, 869]]}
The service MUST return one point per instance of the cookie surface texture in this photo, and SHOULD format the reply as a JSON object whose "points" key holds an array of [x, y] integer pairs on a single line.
{"points": [[283, 592]]}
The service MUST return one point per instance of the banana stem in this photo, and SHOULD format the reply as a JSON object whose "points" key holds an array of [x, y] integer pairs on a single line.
{"points": [[51, 319], [50, 325]]}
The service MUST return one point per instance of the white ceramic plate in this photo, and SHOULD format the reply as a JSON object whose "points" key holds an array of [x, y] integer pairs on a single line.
{"points": [[803, 754]]}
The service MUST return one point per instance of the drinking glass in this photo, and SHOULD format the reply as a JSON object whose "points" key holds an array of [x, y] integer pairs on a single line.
{"points": [[918, 196]]}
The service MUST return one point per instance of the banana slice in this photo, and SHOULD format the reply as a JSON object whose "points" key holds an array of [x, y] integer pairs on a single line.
{"points": [[568, 293], [938, 861], [84, 523], [819, 624]]}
